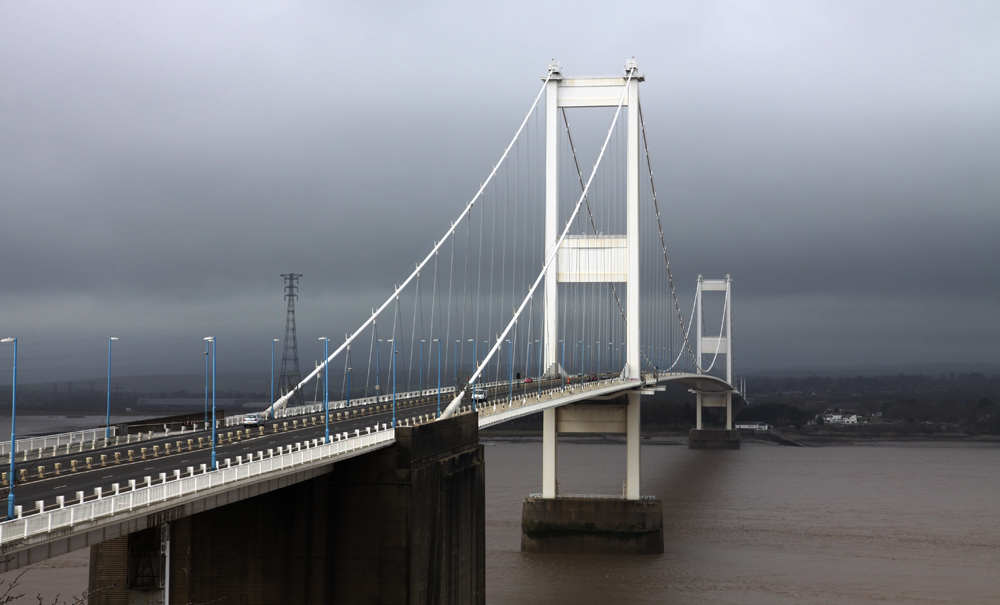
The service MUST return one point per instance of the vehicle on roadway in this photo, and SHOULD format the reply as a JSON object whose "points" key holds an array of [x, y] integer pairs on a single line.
{"points": [[528, 380], [253, 420], [479, 394]]}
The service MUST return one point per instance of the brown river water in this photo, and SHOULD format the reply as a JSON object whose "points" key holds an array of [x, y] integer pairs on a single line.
{"points": [[863, 523]]}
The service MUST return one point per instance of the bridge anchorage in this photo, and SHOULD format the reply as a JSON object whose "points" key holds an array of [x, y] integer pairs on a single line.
{"points": [[577, 320]]}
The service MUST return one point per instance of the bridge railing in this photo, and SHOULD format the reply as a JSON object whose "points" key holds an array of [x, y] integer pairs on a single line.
{"points": [[46, 441], [314, 408], [174, 487]]}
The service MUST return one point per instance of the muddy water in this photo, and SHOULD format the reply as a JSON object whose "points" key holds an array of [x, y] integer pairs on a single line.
{"points": [[891, 523]]}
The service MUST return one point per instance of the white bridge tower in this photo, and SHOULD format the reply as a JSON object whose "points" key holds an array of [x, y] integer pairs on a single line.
{"points": [[608, 258]]}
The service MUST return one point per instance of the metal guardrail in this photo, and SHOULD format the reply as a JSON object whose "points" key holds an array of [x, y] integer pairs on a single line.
{"points": [[107, 506], [314, 408], [524, 400], [58, 440]]}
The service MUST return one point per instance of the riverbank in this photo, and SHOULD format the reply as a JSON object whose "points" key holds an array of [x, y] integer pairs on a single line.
{"points": [[765, 438]]}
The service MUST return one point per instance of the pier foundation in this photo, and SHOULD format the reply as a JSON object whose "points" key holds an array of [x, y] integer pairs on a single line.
{"points": [[592, 525]]}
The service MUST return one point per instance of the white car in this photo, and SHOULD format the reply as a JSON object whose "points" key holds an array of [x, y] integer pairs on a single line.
{"points": [[253, 420], [479, 394]]}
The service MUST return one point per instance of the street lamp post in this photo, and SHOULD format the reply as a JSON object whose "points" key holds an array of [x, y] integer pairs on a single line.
{"points": [[107, 419], [510, 372], [273, 340], [456, 364], [420, 379], [597, 347], [475, 366], [13, 434], [326, 387], [562, 365], [539, 368], [349, 376], [572, 360], [438, 340], [527, 361], [378, 366], [206, 383], [211, 339], [393, 341]]}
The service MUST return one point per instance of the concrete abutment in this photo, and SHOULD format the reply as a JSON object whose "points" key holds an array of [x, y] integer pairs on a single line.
{"points": [[404, 524]]}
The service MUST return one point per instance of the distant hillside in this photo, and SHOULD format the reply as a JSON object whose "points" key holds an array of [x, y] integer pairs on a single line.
{"points": [[924, 369]]}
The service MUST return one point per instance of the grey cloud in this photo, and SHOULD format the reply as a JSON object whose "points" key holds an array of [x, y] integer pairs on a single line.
{"points": [[162, 163]]}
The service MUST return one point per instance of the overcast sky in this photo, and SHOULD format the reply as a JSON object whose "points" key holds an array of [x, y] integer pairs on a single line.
{"points": [[161, 163]]}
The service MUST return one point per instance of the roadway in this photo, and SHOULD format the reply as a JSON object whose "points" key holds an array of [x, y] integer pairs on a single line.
{"points": [[283, 433]]}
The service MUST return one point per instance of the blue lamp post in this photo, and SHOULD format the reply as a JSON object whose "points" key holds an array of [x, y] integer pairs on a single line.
{"points": [[206, 383], [13, 433], [211, 339], [326, 387], [107, 420], [393, 341], [271, 396], [438, 340]]}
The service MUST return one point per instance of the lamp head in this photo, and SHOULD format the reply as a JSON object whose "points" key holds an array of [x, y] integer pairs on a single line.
{"points": [[210, 338], [8, 340], [113, 338]]}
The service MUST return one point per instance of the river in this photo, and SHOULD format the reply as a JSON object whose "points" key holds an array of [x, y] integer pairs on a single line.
{"points": [[864, 523], [888, 522]]}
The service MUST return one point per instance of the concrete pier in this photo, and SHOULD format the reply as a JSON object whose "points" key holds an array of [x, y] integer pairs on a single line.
{"points": [[713, 439], [404, 524], [592, 525]]}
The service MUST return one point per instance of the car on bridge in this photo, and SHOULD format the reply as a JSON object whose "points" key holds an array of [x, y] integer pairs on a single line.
{"points": [[479, 394], [528, 380], [253, 420]]}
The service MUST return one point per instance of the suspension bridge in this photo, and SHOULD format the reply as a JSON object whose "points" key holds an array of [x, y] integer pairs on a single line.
{"points": [[549, 291]]}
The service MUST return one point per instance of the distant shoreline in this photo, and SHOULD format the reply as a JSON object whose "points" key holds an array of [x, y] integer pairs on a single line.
{"points": [[676, 438]]}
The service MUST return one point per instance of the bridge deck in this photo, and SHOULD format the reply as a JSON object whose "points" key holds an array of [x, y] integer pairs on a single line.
{"points": [[167, 481]]}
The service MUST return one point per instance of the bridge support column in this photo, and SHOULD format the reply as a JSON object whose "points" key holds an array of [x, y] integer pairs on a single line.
{"points": [[550, 454], [700, 438], [633, 440]]}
